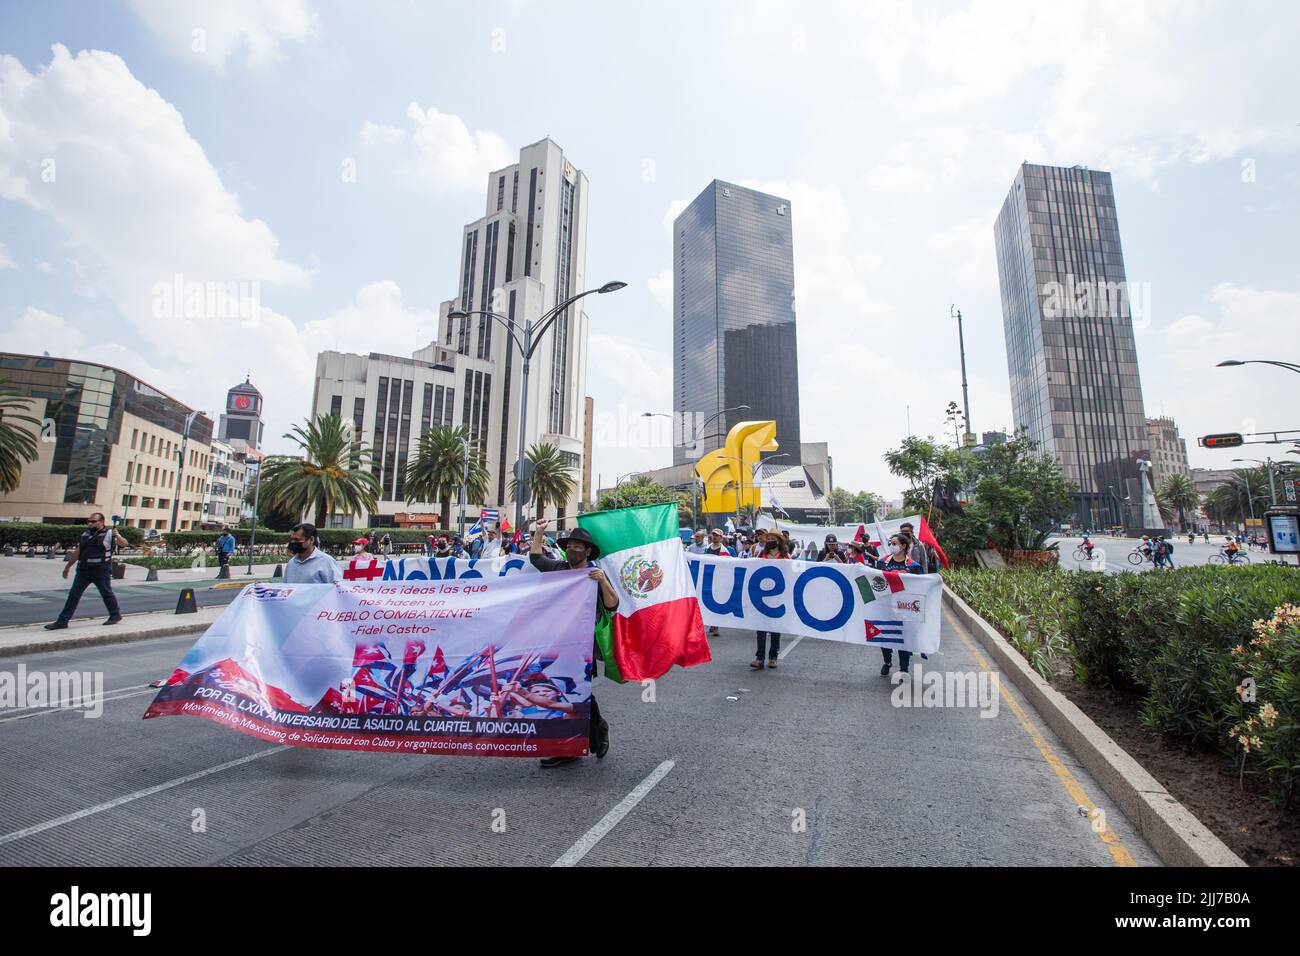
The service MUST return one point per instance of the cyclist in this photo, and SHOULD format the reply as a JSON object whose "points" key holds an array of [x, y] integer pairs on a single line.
{"points": [[1087, 545], [1147, 548], [1230, 548]]}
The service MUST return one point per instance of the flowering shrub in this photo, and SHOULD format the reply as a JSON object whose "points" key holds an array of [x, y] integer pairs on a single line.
{"points": [[1265, 705]]}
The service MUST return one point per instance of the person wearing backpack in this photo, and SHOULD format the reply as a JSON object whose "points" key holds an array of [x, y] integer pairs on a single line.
{"points": [[1168, 547]]}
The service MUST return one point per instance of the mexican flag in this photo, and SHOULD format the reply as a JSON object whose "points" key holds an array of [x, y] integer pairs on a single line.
{"points": [[658, 621]]}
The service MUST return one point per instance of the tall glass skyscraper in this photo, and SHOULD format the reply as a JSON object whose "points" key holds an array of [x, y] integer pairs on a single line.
{"points": [[733, 319], [1069, 334]]}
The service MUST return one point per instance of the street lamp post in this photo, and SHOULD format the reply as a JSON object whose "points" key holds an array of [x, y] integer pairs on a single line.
{"points": [[532, 337], [695, 439], [1229, 363], [129, 486], [180, 470], [464, 485], [257, 494]]}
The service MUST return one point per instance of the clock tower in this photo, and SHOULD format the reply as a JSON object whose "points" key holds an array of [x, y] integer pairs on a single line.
{"points": [[240, 426]]}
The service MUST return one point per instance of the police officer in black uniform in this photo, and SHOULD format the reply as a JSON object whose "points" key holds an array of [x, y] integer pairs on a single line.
{"points": [[94, 559]]}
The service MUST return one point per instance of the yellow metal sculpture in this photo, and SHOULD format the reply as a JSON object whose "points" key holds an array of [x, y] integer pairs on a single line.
{"points": [[728, 473]]}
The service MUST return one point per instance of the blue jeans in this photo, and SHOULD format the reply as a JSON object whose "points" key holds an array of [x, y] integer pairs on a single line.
{"points": [[101, 576], [775, 651]]}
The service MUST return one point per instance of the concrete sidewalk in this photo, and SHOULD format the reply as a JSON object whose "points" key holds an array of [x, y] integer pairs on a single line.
{"points": [[41, 574], [87, 632]]}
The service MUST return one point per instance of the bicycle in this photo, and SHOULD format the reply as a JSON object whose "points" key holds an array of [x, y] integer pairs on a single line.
{"points": [[1137, 556], [1223, 557], [1081, 554]]}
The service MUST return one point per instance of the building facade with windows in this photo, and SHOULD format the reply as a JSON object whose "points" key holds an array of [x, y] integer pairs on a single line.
{"points": [[223, 504], [733, 319], [1168, 451], [523, 257], [110, 443], [1066, 311]]}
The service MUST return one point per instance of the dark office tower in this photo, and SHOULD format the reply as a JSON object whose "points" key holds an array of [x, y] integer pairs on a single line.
{"points": [[1068, 316], [733, 319]]}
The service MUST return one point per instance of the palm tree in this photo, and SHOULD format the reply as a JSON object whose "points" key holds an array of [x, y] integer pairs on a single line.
{"points": [[1165, 507], [551, 482], [438, 469], [17, 445], [1179, 491], [332, 474]]}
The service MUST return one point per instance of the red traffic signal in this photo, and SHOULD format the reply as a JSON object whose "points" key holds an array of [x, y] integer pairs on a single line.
{"points": [[1226, 440]]}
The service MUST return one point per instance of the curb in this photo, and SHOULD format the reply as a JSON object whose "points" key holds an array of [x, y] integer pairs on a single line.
{"points": [[1178, 838], [160, 628]]}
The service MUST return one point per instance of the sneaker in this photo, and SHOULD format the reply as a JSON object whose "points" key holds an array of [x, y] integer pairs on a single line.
{"points": [[56, 626], [884, 670], [113, 619], [771, 662], [757, 663], [549, 762], [713, 632]]}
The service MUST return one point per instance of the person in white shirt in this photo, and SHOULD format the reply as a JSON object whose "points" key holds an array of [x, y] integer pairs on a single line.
{"points": [[309, 564], [491, 546]]}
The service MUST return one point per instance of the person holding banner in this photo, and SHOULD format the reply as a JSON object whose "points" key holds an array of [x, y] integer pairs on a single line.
{"points": [[898, 559], [774, 549], [579, 552], [916, 549]]}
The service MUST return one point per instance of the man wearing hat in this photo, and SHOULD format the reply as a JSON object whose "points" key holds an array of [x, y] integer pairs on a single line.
{"points": [[832, 552], [579, 552]]}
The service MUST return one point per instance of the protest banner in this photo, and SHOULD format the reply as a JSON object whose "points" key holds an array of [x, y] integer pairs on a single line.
{"points": [[837, 602], [491, 665]]}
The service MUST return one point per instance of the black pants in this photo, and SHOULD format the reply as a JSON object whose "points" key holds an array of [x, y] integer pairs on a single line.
{"points": [[101, 576], [904, 658], [599, 726], [223, 558], [775, 652]]}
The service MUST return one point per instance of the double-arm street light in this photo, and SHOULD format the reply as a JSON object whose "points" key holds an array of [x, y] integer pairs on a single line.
{"points": [[532, 337]]}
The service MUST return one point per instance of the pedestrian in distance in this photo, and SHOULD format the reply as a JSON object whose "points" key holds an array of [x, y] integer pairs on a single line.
{"points": [[386, 545], [93, 556], [580, 551], [773, 550], [225, 548], [309, 564]]}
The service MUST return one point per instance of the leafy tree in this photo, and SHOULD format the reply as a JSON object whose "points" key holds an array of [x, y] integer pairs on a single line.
{"points": [[1181, 496], [640, 491], [17, 445], [332, 474], [552, 482], [437, 470]]}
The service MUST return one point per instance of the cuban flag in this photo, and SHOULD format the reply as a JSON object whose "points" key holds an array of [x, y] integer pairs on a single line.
{"points": [[489, 514], [884, 632]]}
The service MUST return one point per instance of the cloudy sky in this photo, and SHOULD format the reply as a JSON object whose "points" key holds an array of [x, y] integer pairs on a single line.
{"points": [[331, 151]]}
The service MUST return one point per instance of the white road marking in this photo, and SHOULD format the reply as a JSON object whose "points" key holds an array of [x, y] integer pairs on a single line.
{"points": [[789, 647], [77, 703], [575, 853], [130, 797]]}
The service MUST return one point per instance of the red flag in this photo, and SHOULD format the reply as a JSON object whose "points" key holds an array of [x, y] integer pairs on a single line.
{"points": [[926, 536], [862, 533], [895, 581]]}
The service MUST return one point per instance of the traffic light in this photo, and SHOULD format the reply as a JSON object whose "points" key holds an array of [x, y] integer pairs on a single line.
{"points": [[1226, 440]]}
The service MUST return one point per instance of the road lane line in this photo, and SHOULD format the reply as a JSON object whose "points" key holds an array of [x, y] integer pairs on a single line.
{"points": [[789, 647], [75, 704], [1114, 845], [610, 820], [131, 797]]}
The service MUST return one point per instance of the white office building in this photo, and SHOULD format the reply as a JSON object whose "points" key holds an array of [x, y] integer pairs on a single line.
{"points": [[527, 253]]}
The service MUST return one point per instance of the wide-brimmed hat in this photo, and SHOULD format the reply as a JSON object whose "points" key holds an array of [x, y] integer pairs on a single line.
{"points": [[582, 535]]}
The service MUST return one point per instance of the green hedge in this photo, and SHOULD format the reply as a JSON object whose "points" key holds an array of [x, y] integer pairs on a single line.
{"points": [[1181, 644], [20, 534]]}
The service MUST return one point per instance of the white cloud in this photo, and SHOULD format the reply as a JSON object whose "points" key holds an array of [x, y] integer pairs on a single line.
{"points": [[675, 209], [437, 154], [966, 248], [6, 261], [209, 34], [661, 287], [36, 331]]}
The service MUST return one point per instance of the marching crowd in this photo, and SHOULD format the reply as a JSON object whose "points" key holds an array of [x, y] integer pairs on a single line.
{"points": [[904, 552]]}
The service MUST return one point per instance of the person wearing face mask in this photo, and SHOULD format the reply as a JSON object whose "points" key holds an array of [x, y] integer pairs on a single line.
{"points": [[309, 564], [93, 557], [773, 550], [898, 559], [359, 548]]}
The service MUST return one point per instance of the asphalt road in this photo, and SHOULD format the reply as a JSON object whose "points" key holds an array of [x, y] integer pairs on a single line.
{"points": [[31, 607], [721, 767], [1113, 553]]}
